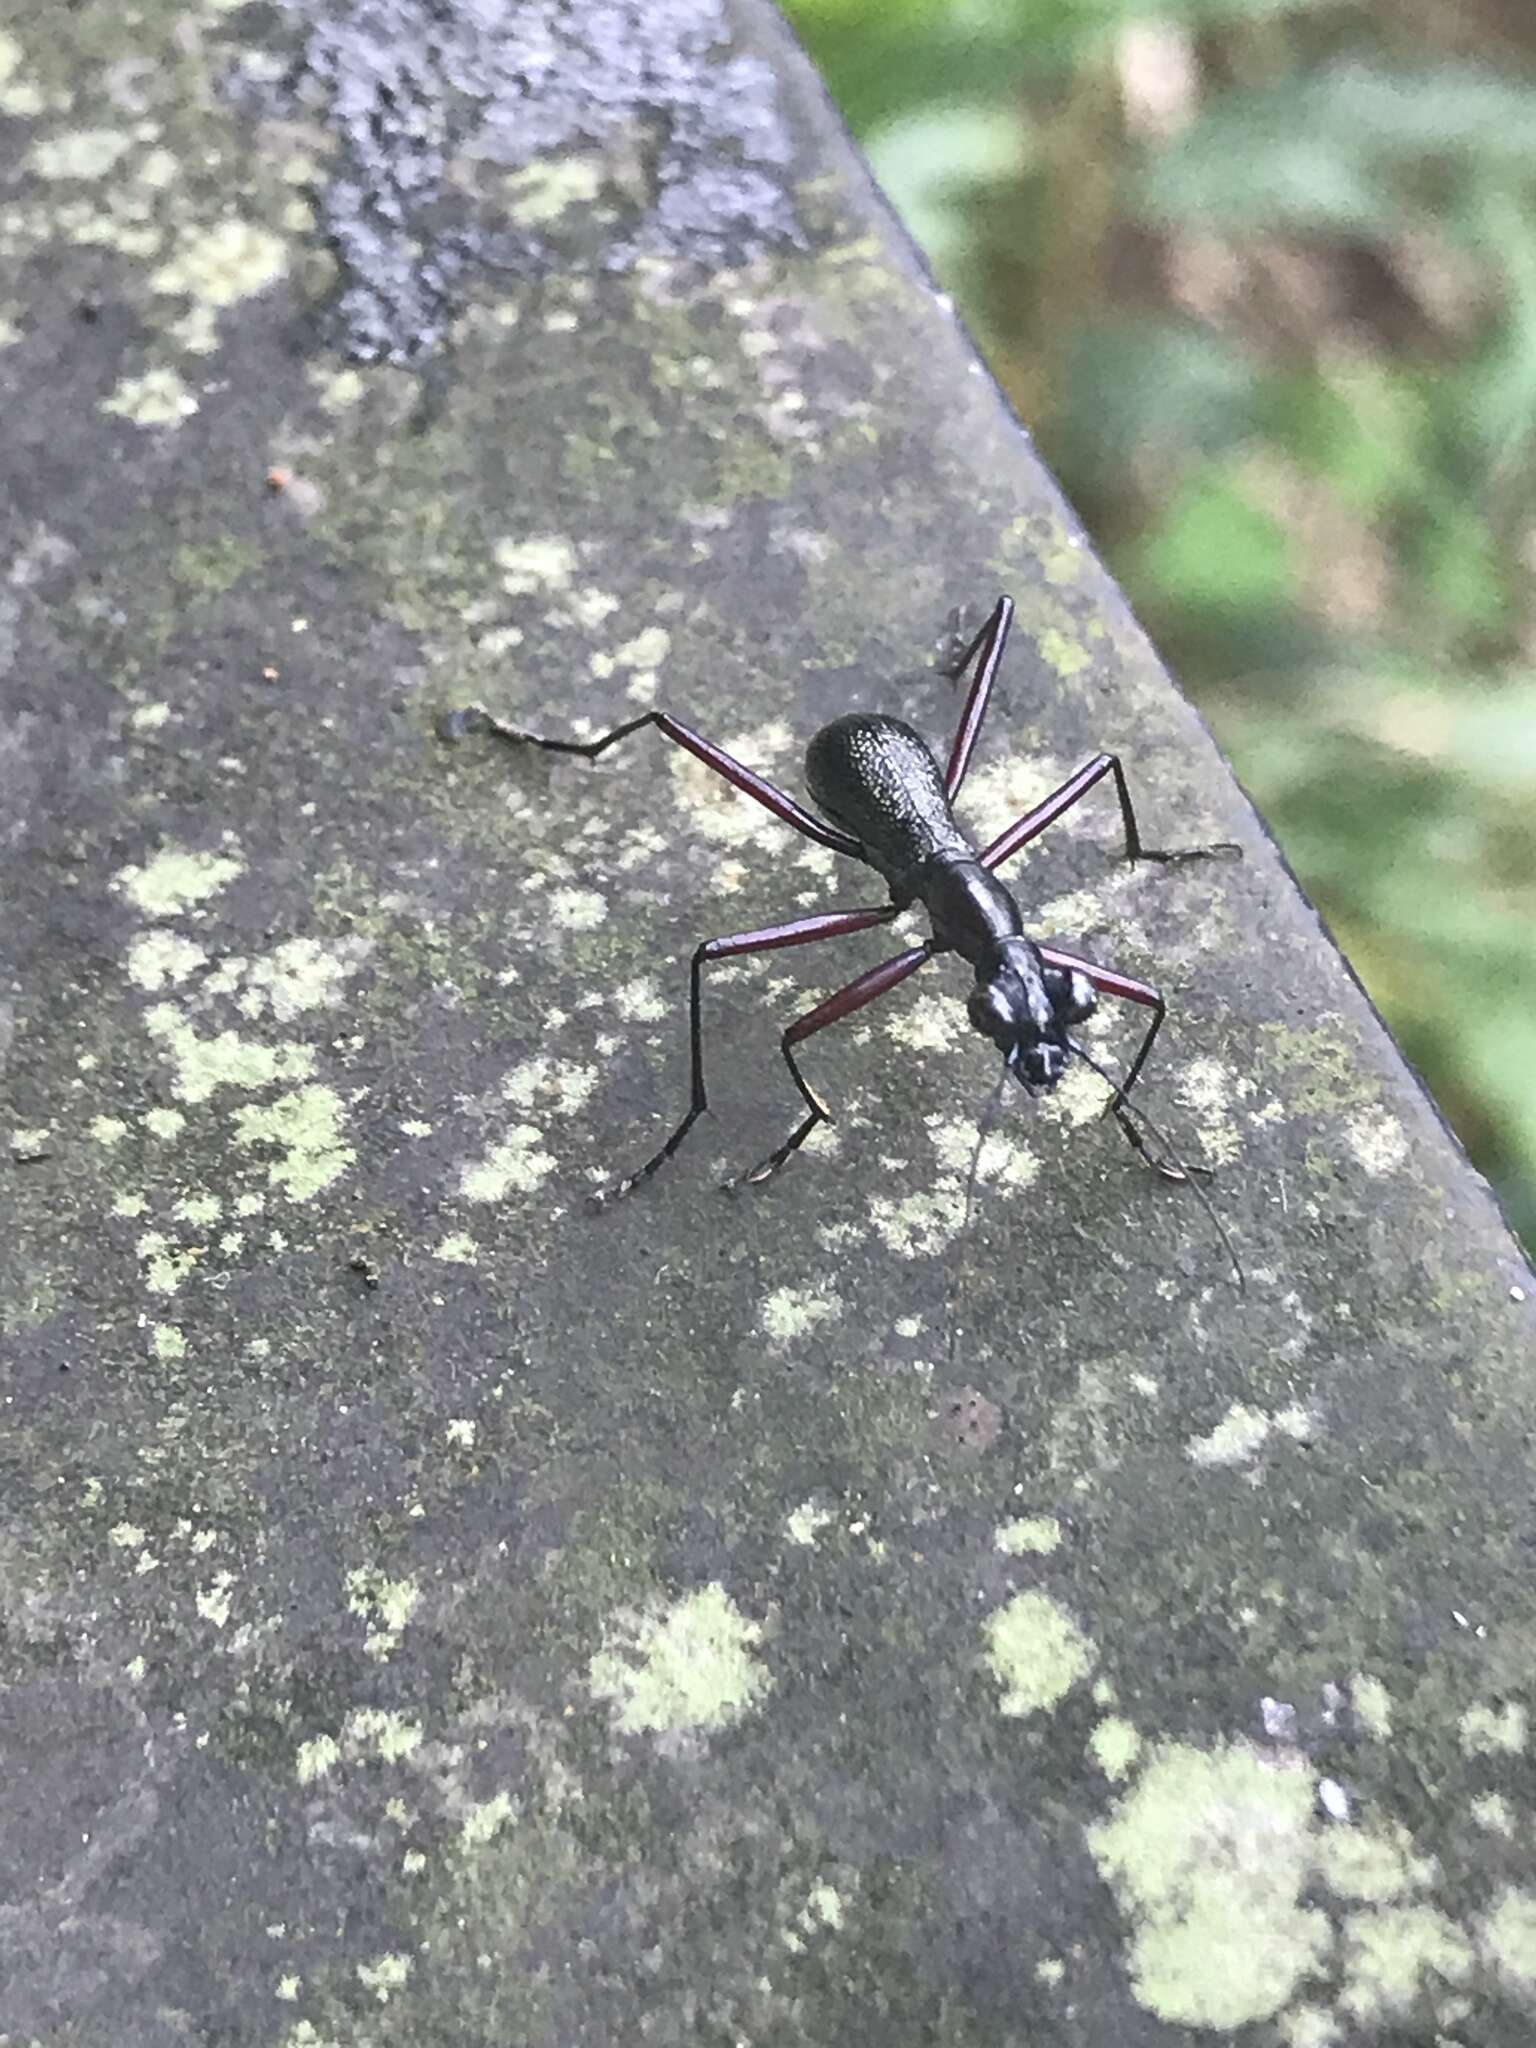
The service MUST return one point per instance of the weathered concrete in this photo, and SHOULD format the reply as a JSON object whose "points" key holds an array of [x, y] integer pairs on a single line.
{"points": [[434, 1614]]}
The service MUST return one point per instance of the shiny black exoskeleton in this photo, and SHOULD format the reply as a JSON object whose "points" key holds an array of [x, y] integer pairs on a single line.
{"points": [[876, 778], [888, 804]]}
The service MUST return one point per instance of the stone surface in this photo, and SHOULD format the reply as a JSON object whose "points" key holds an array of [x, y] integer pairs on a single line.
{"points": [[432, 1612]]}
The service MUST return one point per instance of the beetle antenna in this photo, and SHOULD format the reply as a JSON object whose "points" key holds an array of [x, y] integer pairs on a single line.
{"points": [[1171, 1167]]}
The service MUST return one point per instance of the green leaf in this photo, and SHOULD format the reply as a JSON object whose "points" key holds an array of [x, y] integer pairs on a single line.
{"points": [[1214, 550]]}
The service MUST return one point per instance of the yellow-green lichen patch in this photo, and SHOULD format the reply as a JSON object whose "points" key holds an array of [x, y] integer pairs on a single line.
{"points": [[1508, 1937], [543, 562], [220, 265], [542, 193], [164, 1123], [1036, 1652], [160, 398], [486, 1819], [1208, 1854], [516, 1166], [169, 1343], [1030, 1535], [1389, 1953], [1373, 1706], [789, 1312], [1378, 1141], [18, 97], [175, 879], [225, 1060], [385, 1975], [457, 1249], [300, 974], [918, 1226], [1243, 1432], [690, 1666], [385, 1604], [106, 1130], [81, 153], [316, 1757], [806, 1522], [1114, 1746], [1494, 1731], [306, 1127], [563, 1085], [577, 910], [162, 957]]}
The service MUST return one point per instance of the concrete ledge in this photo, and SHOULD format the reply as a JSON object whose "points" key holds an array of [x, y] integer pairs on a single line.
{"points": [[432, 1613]]}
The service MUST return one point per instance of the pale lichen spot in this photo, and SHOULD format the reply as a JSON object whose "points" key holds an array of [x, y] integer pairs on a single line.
{"points": [[1049, 1971], [390, 1735], [315, 1757], [543, 191], [288, 1988], [149, 717], [918, 1226], [806, 1522], [577, 910], [648, 649], [1077, 1099], [306, 1128], [565, 1084], [384, 1976], [457, 1249], [1030, 1535], [789, 1312], [931, 1022], [1507, 1937], [517, 1165], [222, 264], [199, 1210], [164, 1124], [1390, 1951], [1378, 1141], [80, 153], [129, 1206], [162, 957], [460, 1432], [1310, 2026], [160, 398], [1036, 1651], [998, 791], [106, 1130], [486, 1819], [385, 1604], [1493, 1812], [1208, 1854], [300, 974], [1236, 1440], [1004, 1161], [1360, 1864], [1114, 1746], [639, 1001], [684, 1667], [175, 879], [126, 1536], [1058, 650], [1493, 1731], [542, 562], [213, 1604], [1372, 1704], [168, 1342]]}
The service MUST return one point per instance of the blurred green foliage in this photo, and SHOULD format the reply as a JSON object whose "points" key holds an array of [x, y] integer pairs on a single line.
{"points": [[1261, 276]]}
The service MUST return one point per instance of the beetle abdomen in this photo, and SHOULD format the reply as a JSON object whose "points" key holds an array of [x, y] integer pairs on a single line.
{"points": [[876, 778]]}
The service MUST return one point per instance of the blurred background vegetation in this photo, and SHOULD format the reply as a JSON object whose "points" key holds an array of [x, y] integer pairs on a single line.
{"points": [[1260, 275]]}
